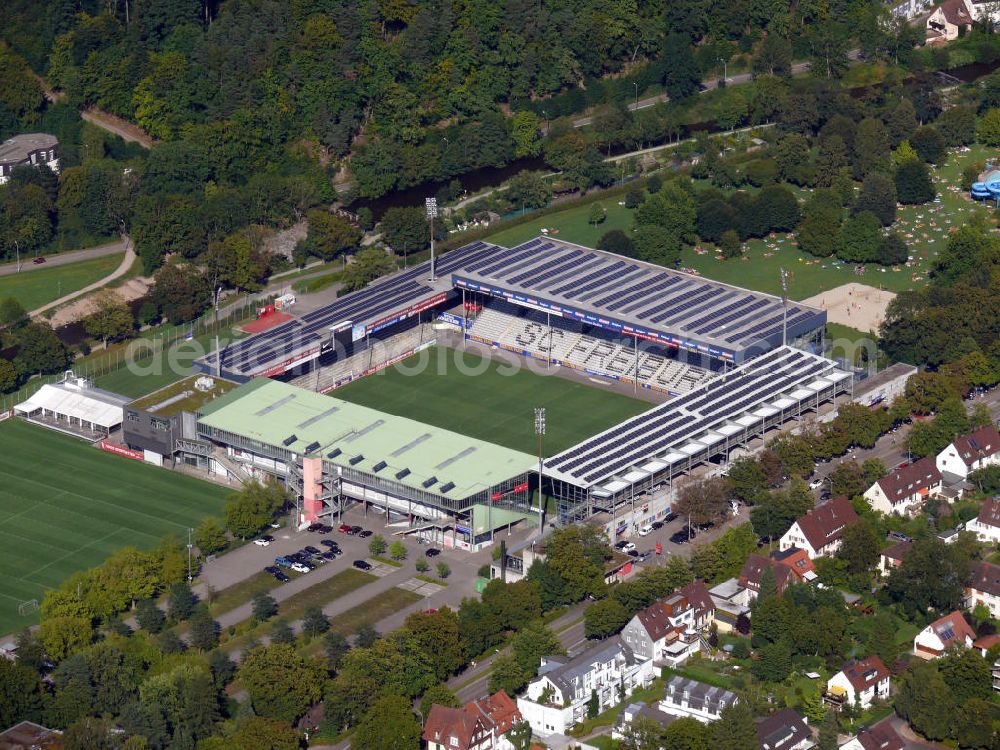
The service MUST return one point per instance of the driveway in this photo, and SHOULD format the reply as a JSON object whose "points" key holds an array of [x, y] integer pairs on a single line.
{"points": [[122, 269]]}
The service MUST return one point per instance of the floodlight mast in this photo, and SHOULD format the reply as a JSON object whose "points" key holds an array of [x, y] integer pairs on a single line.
{"points": [[432, 212], [784, 307], [540, 432]]}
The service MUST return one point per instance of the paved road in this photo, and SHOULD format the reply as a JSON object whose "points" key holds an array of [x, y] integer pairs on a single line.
{"points": [[709, 84], [122, 269], [63, 259]]}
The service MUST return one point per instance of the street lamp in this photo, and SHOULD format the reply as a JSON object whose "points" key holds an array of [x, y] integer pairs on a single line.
{"points": [[636, 85], [725, 71], [432, 212]]}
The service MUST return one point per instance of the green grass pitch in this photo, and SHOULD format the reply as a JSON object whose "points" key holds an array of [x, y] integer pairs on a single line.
{"points": [[481, 401], [66, 506]]}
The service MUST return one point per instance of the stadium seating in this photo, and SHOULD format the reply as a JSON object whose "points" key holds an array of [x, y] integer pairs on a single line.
{"points": [[526, 329]]}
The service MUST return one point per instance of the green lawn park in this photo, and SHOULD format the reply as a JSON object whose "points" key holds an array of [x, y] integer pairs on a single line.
{"points": [[925, 228], [481, 400], [34, 287], [66, 506]]}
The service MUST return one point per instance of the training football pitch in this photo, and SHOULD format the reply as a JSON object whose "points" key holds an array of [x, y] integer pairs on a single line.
{"points": [[486, 400], [66, 506]]}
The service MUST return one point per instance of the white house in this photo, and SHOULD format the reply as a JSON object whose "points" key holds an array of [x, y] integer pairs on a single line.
{"points": [[984, 588], [967, 453], [904, 490], [986, 525], [683, 697], [948, 20], [668, 631], [819, 531], [858, 683], [558, 698], [29, 149], [950, 630]]}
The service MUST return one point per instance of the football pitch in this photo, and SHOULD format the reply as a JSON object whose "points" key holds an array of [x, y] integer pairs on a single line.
{"points": [[484, 399], [66, 506]]}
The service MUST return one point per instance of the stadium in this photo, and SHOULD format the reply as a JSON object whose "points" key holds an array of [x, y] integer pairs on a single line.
{"points": [[715, 366]]}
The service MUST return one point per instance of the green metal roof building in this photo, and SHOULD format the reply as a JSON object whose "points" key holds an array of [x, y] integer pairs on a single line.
{"points": [[368, 455]]}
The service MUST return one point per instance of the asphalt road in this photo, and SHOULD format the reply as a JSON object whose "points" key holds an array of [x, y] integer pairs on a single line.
{"points": [[62, 259]]}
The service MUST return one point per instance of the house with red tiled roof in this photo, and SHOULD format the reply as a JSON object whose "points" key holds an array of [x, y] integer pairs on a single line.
{"points": [[984, 644], [480, 725], [858, 683], [668, 631], [790, 566], [945, 21], [892, 556], [984, 588], [967, 453], [942, 634], [904, 490], [819, 531], [879, 737], [986, 525]]}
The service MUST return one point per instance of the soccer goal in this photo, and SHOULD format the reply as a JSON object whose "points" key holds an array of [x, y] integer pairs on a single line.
{"points": [[27, 608]]}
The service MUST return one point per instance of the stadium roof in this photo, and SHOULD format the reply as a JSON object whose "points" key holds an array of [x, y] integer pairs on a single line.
{"points": [[688, 424], [638, 298], [290, 418], [578, 283]]}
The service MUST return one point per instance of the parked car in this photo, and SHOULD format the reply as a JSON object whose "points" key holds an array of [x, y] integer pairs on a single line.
{"points": [[344, 528], [329, 543], [39, 260], [270, 569], [280, 576], [816, 484], [264, 541], [311, 550], [284, 562], [432, 552], [671, 516], [657, 525], [683, 535], [898, 536], [314, 527], [328, 555], [646, 530], [324, 529], [355, 530], [620, 545], [364, 533], [362, 565], [627, 547], [300, 567]]}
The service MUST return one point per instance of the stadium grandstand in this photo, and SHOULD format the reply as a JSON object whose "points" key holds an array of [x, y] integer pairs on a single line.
{"points": [[449, 488], [614, 303]]}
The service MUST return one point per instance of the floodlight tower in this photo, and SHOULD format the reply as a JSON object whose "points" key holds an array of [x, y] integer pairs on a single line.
{"points": [[784, 307], [432, 212], [540, 432]]}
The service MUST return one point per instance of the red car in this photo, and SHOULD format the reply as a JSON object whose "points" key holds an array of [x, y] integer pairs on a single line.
{"points": [[344, 528], [38, 260]]}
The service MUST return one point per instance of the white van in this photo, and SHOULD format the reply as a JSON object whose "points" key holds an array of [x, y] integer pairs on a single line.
{"points": [[646, 530]]}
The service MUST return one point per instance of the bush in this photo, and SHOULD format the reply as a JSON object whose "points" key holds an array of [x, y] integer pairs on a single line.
{"points": [[633, 198], [443, 570]]}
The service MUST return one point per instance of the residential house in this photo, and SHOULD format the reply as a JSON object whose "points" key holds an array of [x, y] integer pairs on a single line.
{"points": [[784, 730], [892, 557], [668, 631], [909, 10], [984, 588], [683, 697], [950, 630], [29, 149], [818, 532], [904, 490], [986, 525], [858, 683], [948, 20], [728, 598], [26, 735], [879, 737], [558, 698], [789, 566], [996, 676], [968, 453], [480, 725]]}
